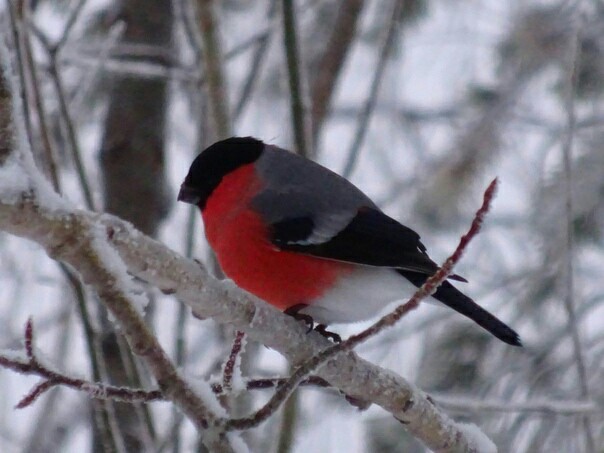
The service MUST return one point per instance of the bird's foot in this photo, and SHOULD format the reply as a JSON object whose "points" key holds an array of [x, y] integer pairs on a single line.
{"points": [[294, 312], [322, 329]]}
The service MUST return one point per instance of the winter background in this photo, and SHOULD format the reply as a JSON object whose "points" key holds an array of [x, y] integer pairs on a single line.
{"points": [[429, 102]]}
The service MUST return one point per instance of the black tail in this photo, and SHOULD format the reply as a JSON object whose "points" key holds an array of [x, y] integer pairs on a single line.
{"points": [[452, 297]]}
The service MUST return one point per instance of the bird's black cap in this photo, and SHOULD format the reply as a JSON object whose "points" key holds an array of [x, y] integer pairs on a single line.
{"points": [[213, 163]]}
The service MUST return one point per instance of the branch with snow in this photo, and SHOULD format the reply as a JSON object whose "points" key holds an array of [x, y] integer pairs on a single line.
{"points": [[30, 209], [89, 241]]}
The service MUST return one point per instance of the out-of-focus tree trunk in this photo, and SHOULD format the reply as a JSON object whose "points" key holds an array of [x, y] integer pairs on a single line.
{"points": [[332, 61], [132, 150], [132, 160]]}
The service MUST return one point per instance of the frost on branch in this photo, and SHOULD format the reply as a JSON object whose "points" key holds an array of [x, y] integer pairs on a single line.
{"points": [[31, 365]]}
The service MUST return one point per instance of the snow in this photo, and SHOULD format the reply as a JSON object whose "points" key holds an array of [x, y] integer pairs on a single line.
{"points": [[238, 444], [12, 354], [477, 438], [19, 176], [204, 389], [114, 264], [14, 181]]}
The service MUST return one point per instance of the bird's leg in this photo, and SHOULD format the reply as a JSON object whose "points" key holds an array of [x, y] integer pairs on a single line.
{"points": [[294, 312], [322, 329]]}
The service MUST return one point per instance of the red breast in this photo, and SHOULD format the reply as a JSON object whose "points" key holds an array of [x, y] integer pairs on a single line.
{"points": [[242, 245]]}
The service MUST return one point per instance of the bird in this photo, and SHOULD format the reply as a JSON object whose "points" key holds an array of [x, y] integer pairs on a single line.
{"points": [[309, 242]]}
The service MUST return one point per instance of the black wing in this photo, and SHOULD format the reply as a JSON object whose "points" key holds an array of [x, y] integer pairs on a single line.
{"points": [[370, 238]]}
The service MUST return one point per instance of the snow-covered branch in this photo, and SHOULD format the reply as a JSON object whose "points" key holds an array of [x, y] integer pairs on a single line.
{"points": [[30, 209], [78, 237], [225, 303]]}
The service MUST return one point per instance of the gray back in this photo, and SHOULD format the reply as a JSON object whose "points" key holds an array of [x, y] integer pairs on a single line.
{"points": [[297, 187]]}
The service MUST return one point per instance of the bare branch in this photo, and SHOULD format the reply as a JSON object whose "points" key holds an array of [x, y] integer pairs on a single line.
{"points": [[229, 366], [72, 138], [262, 45], [49, 164], [32, 366], [369, 105]]}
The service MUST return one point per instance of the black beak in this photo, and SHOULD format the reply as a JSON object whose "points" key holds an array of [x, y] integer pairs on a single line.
{"points": [[189, 194]]}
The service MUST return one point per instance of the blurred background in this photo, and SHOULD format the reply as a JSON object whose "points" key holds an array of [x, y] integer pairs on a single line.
{"points": [[421, 104]]}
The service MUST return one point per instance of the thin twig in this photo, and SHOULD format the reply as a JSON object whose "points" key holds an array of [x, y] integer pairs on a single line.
{"points": [[230, 365], [78, 289], [72, 139], [74, 145], [252, 42], [380, 68], [17, 37], [53, 51], [300, 117], [53, 378], [50, 164], [572, 65], [258, 58], [428, 288], [103, 411], [69, 24], [113, 35], [288, 423]]}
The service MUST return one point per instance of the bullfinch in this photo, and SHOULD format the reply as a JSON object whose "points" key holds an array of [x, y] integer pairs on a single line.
{"points": [[309, 242]]}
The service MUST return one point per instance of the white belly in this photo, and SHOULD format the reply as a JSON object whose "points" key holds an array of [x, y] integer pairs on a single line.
{"points": [[360, 295]]}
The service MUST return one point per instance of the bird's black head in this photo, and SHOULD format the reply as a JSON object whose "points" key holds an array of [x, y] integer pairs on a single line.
{"points": [[214, 162]]}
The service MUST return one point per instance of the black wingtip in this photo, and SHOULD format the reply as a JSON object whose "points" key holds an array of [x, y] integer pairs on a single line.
{"points": [[458, 278], [510, 337], [490, 323]]}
